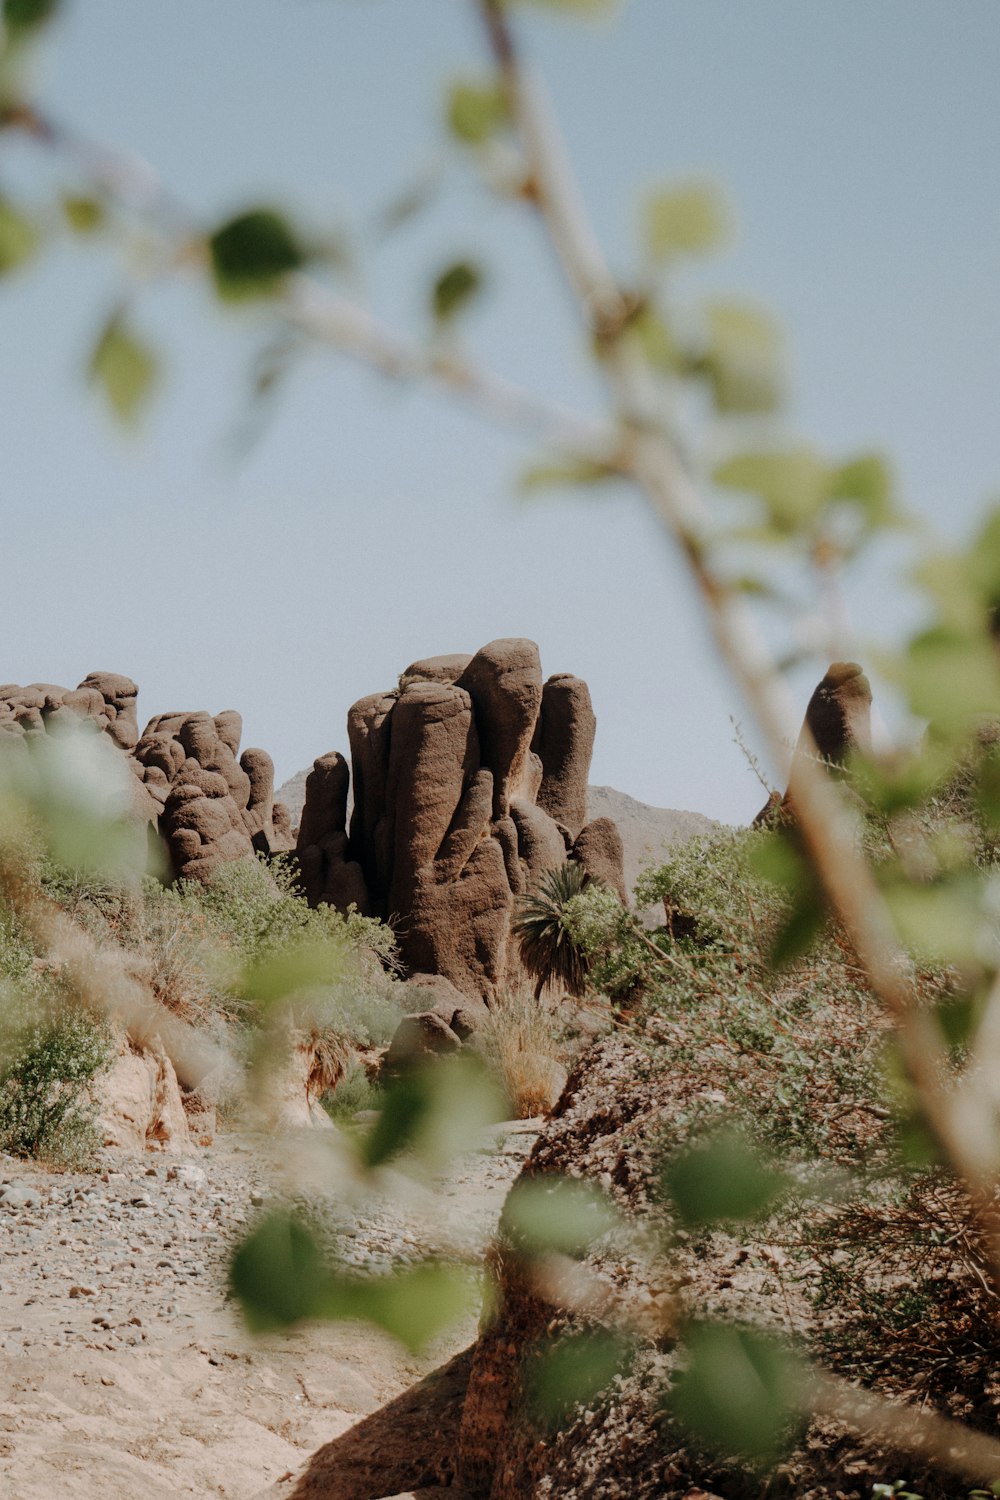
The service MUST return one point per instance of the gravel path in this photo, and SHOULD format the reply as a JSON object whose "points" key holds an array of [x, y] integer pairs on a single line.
{"points": [[124, 1373]]}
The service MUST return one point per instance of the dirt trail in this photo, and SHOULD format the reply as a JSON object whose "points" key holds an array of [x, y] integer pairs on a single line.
{"points": [[124, 1375]]}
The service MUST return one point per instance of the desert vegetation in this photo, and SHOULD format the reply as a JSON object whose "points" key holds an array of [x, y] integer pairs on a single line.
{"points": [[809, 1038]]}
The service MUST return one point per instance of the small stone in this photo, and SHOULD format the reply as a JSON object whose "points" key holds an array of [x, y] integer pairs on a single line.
{"points": [[83, 1291], [188, 1174], [19, 1196]]}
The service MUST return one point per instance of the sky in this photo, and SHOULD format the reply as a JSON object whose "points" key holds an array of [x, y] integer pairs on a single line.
{"points": [[369, 525]]}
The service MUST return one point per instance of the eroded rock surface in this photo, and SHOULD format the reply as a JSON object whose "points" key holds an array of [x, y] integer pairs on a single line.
{"points": [[210, 804], [470, 781], [837, 723]]}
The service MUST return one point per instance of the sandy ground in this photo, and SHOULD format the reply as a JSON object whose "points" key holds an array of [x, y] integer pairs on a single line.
{"points": [[124, 1375]]}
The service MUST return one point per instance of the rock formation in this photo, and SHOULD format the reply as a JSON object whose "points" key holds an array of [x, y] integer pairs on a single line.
{"points": [[209, 806], [837, 723], [470, 780]]}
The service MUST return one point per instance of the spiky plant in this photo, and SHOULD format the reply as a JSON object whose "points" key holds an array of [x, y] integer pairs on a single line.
{"points": [[547, 949]]}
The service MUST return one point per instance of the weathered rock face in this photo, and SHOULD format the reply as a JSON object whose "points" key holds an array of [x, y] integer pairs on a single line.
{"points": [[139, 1102], [470, 780], [209, 806], [839, 712], [837, 723], [599, 849], [564, 743]]}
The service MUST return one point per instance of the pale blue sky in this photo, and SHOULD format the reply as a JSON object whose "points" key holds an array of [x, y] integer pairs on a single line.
{"points": [[857, 145]]}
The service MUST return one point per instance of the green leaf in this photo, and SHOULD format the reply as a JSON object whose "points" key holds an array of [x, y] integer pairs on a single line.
{"points": [[722, 1179], [294, 968], [574, 1370], [792, 485], [414, 1306], [941, 922], [434, 1113], [556, 1214], [476, 111], [78, 789], [779, 861], [743, 360], [740, 1393], [689, 219], [84, 215], [280, 1278], [252, 253], [562, 472], [406, 1103], [658, 343], [801, 927], [278, 1274], [951, 678], [124, 368], [454, 289], [28, 15], [866, 481], [19, 239]]}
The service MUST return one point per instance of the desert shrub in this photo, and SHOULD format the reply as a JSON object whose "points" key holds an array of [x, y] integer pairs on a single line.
{"points": [[51, 1056], [617, 952], [795, 1051], [712, 897], [15, 950], [355, 1091], [521, 1044], [202, 938], [900, 1284]]}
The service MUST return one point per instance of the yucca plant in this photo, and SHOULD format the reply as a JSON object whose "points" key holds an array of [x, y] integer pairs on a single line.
{"points": [[548, 950]]}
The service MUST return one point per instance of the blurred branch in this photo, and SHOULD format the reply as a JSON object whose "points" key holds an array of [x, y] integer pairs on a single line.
{"points": [[656, 465]]}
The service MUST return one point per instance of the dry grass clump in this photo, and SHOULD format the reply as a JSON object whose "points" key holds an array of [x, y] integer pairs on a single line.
{"points": [[521, 1041], [905, 1301]]}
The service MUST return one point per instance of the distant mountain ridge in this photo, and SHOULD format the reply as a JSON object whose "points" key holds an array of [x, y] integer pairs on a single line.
{"points": [[648, 833]]}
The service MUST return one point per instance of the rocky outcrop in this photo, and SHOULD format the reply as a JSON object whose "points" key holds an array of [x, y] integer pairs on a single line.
{"points": [[599, 849], [470, 781], [837, 723], [209, 805], [565, 743], [138, 1101]]}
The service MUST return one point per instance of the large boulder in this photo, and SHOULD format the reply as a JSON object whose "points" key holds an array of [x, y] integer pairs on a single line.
{"points": [[599, 849]]}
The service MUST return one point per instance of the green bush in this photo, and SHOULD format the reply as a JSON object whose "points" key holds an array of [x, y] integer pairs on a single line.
{"points": [[202, 940], [51, 1056], [354, 1092]]}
